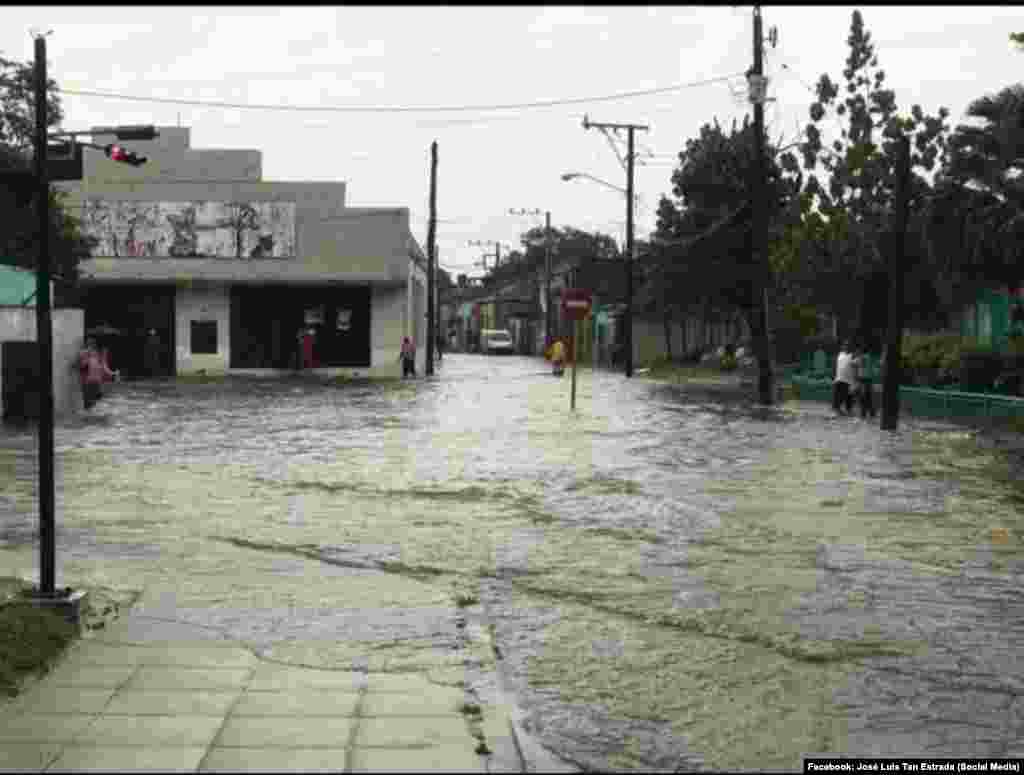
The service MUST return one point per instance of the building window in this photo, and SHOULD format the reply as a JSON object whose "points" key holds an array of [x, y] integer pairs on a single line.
{"points": [[204, 337]]}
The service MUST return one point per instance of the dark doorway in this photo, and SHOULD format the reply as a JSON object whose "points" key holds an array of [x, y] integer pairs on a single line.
{"points": [[135, 310], [21, 380], [266, 322]]}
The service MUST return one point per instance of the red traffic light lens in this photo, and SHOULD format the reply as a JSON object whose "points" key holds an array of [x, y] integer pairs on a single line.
{"points": [[121, 154]]}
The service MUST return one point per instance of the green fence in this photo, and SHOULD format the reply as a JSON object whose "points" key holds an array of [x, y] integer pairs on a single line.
{"points": [[926, 402]]}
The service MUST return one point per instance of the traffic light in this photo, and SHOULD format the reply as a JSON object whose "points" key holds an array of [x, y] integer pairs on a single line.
{"points": [[122, 154]]}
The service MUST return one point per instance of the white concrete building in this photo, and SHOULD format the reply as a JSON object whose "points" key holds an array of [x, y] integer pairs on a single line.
{"points": [[228, 269]]}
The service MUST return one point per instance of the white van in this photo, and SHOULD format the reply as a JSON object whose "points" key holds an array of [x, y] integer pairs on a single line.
{"points": [[496, 342]]}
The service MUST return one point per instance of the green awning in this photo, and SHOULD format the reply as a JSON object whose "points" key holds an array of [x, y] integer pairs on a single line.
{"points": [[17, 286]]}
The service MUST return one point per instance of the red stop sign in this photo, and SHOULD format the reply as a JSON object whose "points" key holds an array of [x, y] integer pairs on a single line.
{"points": [[576, 303]]}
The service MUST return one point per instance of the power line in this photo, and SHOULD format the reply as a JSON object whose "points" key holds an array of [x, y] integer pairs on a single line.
{"points": [[397, 109]]}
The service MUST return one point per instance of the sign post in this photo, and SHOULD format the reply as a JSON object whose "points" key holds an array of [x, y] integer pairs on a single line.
{"points": [[575, 306], [575, 338]]}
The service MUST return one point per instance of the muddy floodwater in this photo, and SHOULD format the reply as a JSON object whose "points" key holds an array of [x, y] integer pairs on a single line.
{"points": [[667, 579]]}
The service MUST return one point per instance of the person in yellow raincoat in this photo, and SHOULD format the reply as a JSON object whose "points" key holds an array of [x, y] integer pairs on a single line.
{"points": [[558, 358]]}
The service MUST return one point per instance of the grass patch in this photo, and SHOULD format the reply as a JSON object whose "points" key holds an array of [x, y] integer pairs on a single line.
{"points": [[465, 600], [470, 709], [30, 638]]}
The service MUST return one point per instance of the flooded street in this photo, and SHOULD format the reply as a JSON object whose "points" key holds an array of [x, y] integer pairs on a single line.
{"points": [[666, 579]]}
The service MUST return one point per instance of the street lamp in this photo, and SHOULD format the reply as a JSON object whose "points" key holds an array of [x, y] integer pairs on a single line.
{"points": [[630, 202], [567, 176]]}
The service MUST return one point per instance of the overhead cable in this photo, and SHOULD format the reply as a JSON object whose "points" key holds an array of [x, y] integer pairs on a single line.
{"points": [[397, 109]]}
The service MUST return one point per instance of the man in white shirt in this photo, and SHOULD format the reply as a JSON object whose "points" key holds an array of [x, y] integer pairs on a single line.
{"points": [[842, 397]]}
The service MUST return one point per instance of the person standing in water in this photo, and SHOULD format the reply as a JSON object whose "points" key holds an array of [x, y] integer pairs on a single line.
{"points": [[408, 358]]}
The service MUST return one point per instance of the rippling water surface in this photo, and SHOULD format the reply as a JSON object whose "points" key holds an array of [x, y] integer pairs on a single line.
{"points": [[673, 578]]}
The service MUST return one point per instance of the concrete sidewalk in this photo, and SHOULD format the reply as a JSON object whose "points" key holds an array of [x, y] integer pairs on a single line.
{"points": [[152, 695]]}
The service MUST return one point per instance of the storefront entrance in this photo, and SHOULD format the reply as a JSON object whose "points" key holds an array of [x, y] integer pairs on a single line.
{"points": [[266, 322], [128, 313]]}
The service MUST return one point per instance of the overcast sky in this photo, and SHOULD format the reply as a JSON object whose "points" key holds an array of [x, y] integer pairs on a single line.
{"points": [[489, 161]]}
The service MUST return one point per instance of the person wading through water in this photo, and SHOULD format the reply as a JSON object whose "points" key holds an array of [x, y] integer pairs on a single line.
{"points": [[93, 371], [842, 397], [558, 358], [863, 369], [408, 358]]}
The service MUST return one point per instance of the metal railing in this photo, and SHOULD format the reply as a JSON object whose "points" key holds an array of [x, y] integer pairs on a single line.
{"points": [[928, 402]]}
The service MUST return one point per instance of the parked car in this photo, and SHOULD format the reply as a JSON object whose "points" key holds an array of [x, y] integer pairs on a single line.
{"points": [[496, 342]]}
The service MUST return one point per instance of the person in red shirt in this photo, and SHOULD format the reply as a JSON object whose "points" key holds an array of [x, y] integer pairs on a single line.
{"points": [[93, 371], [308, 340], [408, 358]]}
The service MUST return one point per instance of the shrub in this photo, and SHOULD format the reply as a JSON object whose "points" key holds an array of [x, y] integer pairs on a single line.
{"points": [[936, 357], [923, 352], [801, 318], [30, 639], [980, 365]]}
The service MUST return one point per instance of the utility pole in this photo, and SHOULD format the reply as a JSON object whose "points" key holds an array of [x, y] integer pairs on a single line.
{"points": [[547, 270], [896, 263], [431, 254], [44, 329], [497, 249], [547, 280], [759, 206], [630, 129]]}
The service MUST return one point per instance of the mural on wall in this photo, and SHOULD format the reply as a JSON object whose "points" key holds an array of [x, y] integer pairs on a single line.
{"points": [[191, 229]]}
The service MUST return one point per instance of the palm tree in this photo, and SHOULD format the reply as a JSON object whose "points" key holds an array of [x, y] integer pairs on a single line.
{"points": [[976, 221]]}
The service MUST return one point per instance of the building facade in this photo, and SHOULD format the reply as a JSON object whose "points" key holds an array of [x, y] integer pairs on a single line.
{"points": [[19, 350], [202, 266]]}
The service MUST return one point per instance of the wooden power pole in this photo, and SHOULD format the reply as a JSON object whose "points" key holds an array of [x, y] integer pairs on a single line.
{"points": [[759, 205], [44, 328], [547, 280], [896, 265], [431, 254], [630, 129]]}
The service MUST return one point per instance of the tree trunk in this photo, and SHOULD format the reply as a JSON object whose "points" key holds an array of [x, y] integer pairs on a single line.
{"points": [[667, 320], [896, 264]]}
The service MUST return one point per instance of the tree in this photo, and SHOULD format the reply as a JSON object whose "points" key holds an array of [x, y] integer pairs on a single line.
{"points": [[19, 237], [845, 218], [707, 232], [976, 222], [17, 105], [1018, 39]]}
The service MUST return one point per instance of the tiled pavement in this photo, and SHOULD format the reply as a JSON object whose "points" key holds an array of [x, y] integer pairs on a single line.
{"points": [[173, 705]]}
